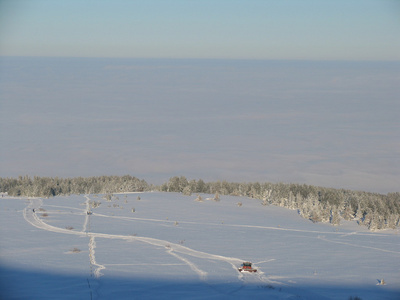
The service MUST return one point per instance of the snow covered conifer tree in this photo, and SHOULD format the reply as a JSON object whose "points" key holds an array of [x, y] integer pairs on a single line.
{"points": [[187, 190], [335, 217], [348, 213], [325, 214]]}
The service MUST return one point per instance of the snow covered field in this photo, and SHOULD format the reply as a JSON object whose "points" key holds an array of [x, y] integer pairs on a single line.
{"points": [[167, 245]]}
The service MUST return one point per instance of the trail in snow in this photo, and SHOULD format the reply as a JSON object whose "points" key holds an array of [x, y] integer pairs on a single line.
{"points": [[97, 272], [340, 234], [359, 246], [197, 263], [173, 249], [202, 274], [264, 261], [32, 218], [62, 206], [239, 226], [146, 264], [84, 228]]}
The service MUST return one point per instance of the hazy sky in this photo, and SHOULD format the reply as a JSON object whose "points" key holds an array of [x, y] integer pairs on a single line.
{"points": [[292, 91], [333, 124], [248, 29]]}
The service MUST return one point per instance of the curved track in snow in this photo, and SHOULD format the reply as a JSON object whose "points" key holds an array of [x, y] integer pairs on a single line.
{"points": [[176, 250], [194, 260]]}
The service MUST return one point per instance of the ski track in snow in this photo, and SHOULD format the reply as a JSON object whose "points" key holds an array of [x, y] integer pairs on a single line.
{"points": [[92, 246], [264, 261], [144, 264], [61, 206], [84, 228], [359, 246], [177, 250], [202, 274], [172, 248], [239, 225]]}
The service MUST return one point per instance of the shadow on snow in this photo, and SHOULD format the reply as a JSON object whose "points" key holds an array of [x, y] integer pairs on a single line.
{"points": [[35, 284]]}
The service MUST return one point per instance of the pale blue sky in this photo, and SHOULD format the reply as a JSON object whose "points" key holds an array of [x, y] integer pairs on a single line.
{"points": [[251, 29]]}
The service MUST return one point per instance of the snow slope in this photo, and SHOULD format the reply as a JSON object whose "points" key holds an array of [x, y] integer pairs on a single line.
{"points": [[172, 246]]}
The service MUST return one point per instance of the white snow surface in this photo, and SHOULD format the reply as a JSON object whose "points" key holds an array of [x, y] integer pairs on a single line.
{"points": [[173, 247]]}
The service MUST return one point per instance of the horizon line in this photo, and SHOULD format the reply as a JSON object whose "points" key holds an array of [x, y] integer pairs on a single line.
{"points": [[204, 58]]}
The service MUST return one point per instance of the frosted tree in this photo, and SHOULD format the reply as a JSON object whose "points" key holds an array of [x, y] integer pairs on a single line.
{"points": [[348, 213], [392, 221], [372, 221], [291, 201], [173, 184], [200, 186], [183, 182], [335, 216], [187, 190], [360, 214], [326, 214], [315, 215], [267, 197]]}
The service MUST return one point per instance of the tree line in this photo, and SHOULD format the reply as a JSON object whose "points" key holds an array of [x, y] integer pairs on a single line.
{"points": [[49, 186], [318, 204]]}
